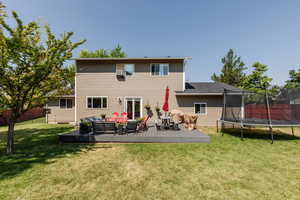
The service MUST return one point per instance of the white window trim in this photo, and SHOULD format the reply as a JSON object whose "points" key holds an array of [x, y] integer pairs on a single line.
{"points": [[200, 104], [66, 108], [86, 100], [133, 69], [133, 97], [159, 75]]}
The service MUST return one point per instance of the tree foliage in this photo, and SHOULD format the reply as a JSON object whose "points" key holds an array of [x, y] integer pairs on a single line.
{"points": [[294, 81], [102, 53], [233, 70], [2, 11], [69, 80], [31, 69], [257, 81]]}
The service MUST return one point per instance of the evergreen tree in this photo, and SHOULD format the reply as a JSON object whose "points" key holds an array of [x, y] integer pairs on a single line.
{"points": [[257, 81], [233, 70], [294, 81]]}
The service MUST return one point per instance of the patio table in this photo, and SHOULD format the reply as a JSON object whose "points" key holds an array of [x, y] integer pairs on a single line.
{"points": [[166, 121]]}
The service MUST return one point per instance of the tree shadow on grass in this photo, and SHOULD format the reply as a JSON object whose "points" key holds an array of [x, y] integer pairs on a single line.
{"points": [[36, 146], [263, 134]]}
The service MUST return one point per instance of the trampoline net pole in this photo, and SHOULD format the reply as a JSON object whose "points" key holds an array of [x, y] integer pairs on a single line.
{"points": [[242, 115], [269, 114]]}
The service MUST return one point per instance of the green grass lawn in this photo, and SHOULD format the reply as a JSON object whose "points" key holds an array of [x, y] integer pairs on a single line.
{"points": [[227, 168]]}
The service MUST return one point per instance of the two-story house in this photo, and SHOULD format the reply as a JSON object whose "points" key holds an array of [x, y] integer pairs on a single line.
{"points": [[107, 85]]}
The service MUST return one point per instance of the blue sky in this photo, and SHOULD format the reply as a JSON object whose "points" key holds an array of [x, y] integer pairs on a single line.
{"points": [[257, 30]]}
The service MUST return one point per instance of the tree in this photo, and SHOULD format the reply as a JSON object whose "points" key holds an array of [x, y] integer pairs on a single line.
{"points": [[294, 81], [102, 53], [2, 11], [69, 81], [31, 68], [257, 81], [233, 70]]}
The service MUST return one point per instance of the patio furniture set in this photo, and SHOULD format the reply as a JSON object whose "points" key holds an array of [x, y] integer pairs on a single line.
{"points": [[113, 125], [166, 122], [121, 125]]}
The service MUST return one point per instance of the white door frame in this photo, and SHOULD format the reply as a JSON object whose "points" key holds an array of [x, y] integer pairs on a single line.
{"points": [[133, 106]]}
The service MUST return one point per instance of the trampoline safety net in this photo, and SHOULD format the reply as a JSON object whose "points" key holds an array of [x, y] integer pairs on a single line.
{"points": [[260, 109]]}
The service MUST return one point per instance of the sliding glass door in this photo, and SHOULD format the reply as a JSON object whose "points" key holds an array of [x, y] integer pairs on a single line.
{"points": [[133, 107]]}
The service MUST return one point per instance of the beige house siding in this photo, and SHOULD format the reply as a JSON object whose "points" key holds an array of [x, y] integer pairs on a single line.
{"points": [[98, 78], [61, 115], [214, 108]]}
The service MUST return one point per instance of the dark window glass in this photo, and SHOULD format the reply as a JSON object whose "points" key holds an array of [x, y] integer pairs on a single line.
{"points": [[62, 103], [160, 69], [104, 103], [96, 102], [89, 102], [69, 103], [200, 108]]}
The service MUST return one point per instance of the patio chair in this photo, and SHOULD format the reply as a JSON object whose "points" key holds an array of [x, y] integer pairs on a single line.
{"points": [[174, 125], [131, 127], [114, 117], [124, 118], [158, 124], [142, 126]]}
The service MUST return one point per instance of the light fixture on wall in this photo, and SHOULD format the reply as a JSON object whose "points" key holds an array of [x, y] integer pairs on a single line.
{"points": [[119, 99]]}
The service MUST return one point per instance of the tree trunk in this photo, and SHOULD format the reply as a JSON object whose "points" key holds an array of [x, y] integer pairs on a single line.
{"points": [[10, 137]]}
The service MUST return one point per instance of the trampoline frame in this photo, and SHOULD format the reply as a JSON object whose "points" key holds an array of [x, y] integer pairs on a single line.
{"points": [[244, 124]]}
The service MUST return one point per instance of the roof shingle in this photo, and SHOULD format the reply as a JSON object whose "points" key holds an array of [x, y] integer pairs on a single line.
{"points": [[207, 87]]}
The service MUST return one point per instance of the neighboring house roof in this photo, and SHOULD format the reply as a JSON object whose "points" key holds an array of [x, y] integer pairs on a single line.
{"points": [[206, 88], [137, 58]]}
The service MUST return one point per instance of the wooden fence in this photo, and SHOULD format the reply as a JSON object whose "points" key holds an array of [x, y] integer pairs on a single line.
{"points": [[30, 114], [287, 112]]}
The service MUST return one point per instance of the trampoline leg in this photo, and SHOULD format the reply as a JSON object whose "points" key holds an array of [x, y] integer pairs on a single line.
{"points": [[222, 128], [242, 132], [271, 132], [293, 131]]}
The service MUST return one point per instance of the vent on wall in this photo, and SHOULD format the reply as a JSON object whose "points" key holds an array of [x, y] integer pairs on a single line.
{"points": [[120, 72]]}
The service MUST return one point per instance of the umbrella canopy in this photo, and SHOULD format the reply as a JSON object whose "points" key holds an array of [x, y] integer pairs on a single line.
{"points": [[166, 103]]}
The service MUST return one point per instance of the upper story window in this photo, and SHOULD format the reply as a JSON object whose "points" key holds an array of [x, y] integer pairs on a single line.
{"points": [[159, 69], [97, 102], [129, 69], [65, 103], [200, 108]]}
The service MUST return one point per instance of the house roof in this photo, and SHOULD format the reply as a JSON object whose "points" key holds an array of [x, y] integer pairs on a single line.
{"points": [[206, 88], [133, 58]]}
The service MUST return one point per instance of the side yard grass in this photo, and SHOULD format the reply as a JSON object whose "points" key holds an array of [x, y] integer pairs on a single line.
{"points": [[227, 168]]}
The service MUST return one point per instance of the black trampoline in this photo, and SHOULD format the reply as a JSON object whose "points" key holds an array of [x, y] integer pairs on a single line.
{"points": [[248, 109]]}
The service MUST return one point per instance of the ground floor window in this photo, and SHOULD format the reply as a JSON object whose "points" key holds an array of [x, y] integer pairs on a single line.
{"points": [[97, 102], [65, 103], [200, 108]]}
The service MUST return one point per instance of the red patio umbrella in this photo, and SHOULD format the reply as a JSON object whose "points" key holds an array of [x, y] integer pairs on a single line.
{"points": [[166, 103]]}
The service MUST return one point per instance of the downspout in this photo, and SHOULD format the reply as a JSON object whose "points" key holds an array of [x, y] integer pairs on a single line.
{"points": [[75, 92]]}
